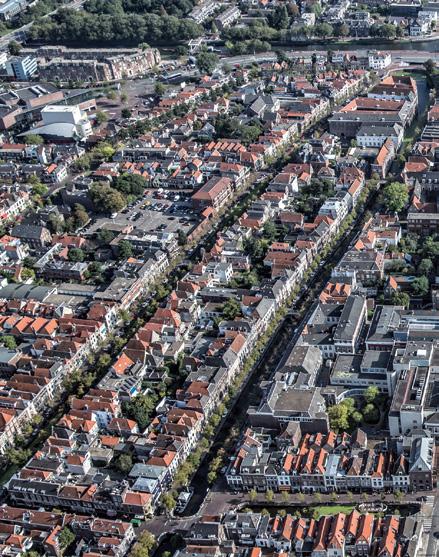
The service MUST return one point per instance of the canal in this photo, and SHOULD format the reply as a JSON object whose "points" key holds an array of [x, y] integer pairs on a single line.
{"points": [[367, 44]]}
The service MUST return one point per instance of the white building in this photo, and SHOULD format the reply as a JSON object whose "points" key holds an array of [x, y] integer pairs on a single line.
{"points": [[375, 136], [379, 60], [67, 122]]}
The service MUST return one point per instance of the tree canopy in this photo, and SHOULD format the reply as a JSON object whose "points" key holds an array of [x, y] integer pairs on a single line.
{"points": [[395, 196], [107, 23], [130, 184], [207, 61], [107, 198]]}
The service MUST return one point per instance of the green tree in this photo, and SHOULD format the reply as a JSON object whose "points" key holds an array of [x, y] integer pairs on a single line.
{"points": [[269, 495], [140, 409], [130, 184], [126, 113], [231, 309], [145, 545], [66, 537], [103, 151], [253, 495], [324, 30], [80, 215], [425, 267], [107, 198], [101, 117], [14, 48], [9, 342], [371, 393], [269, 231], [125, 249], [371, 413], [104, 361], [395, 196], [420, 286], [430, 67], [280, 18], [124, 463], [27, 274], [342, 30], [105, 236], [39, 189], [32, 139], [206, 61], [401, 299], [159, 89], [182, 238], [76, 255], [168, 501], [340, 414]]}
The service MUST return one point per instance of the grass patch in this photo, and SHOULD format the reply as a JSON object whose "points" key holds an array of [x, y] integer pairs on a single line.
{"points": [[327, 510], [409, 73]]}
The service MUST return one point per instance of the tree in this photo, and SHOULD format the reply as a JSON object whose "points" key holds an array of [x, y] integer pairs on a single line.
{"points": [[231, 309], [66, 537], [395, 196], [144, 546], [340, 414], [111, 95], [80, 215], [253, 495], [104, 361], [103, 151], [130, 184], [39, 189], [357, 417], [269, 495], [126, 113], [420, 286], [401, 299], [76, 255], [293, 9], [280, 18], [124, 463], [27, 274], [207, 61], [140, 409], [159, 89], [9, 342], [371, 413], [168, 501], [182, 237], [371, 393], [342, 30], [105, 236], [425, 267], [107, 198], [101, 117], [125, 249], [323, 30], [269, 231], [430, 66], [14, 48], [32, 139]]}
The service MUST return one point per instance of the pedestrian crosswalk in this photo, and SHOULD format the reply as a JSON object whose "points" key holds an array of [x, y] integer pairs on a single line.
{"points": [[427, 525]]}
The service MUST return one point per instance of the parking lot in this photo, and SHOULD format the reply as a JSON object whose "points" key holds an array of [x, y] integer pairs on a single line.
{"points": [[153, 214]]}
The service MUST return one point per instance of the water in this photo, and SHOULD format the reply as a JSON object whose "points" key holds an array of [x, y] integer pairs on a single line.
{"points": [[372, 44]]}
